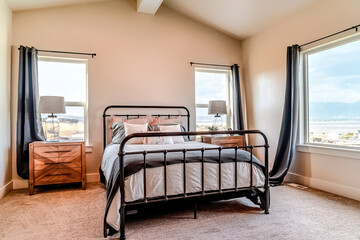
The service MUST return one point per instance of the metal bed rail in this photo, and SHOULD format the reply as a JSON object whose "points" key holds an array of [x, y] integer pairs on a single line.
{"points": [[203, 194]]}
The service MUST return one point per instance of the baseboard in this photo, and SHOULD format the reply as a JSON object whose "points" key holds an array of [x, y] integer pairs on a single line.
{"points": [[20, 183], [338, 189], [6, 189], [92, 177], [24, 183]]}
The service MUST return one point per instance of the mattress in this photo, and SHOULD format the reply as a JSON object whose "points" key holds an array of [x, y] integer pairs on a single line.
{"points": [[134, 183]]}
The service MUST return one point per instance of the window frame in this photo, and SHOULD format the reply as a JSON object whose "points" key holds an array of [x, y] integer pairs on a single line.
{"points": [[70, 103], [303, 138], [229, 106]]}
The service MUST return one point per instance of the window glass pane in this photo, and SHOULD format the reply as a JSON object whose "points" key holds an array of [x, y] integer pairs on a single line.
{"points": [[204, 120], [71, 123], [67, 79], [334, 96], [211, 86]]}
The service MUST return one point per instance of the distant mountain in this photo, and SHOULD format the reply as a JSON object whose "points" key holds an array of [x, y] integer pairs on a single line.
{"points": [[334, 111]]}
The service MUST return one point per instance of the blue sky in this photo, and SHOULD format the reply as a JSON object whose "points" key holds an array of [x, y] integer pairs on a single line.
{"points": [[334, 74]]}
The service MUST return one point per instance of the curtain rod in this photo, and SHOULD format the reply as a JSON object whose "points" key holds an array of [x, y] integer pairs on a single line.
{"points": [[79, 53], [209, 64], [345, 30]]}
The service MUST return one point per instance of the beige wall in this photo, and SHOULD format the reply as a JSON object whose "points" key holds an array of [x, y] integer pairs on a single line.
{"points": [[141, 59], [264, 63], [5, 41]]}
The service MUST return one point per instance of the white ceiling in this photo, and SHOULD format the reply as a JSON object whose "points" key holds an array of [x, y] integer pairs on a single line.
{"points": [[18, 5], [238, 18]]}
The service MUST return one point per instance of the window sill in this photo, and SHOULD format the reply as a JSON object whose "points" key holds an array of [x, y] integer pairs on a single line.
{"points": [[329, 151], [88, 149]]}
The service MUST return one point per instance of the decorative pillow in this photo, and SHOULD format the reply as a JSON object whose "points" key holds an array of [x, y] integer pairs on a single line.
{"points": [[156, 128], [158, 140], [172, 128], [166, 120], [135, 128], [118, 132]]}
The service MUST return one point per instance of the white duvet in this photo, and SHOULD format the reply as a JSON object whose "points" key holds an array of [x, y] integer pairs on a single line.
{"points": [[134, 184]]}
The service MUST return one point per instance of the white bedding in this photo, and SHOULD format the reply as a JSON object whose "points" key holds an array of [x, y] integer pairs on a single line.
{"points": [[134, 188]]}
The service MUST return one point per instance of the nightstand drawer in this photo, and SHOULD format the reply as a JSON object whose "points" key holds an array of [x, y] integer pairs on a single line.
{"points": [[57, 151], [57, 175], [64, 162]]}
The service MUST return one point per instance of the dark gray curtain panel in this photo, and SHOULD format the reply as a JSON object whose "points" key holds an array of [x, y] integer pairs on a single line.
{"points": [[29, 127], [237, 111], [288, 134]]}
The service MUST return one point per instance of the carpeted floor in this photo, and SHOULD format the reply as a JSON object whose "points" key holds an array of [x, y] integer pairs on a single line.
{"points": [[71, 213]]}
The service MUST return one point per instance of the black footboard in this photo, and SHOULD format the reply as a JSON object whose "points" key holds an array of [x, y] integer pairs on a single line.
{"points": [[258, 194]]}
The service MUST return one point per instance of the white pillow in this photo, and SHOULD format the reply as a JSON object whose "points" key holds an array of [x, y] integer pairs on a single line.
{"points": [[135, 128], [173, 128], [158, 140]]}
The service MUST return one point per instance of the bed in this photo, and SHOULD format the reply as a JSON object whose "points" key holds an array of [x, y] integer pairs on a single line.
{"points": [[137, 174]]}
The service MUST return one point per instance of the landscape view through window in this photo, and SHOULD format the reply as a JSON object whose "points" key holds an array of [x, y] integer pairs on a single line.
{"points": [[334, 96]]}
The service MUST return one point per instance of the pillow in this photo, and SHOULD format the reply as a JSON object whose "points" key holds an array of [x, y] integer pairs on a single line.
{"points": [[158, 140], [156, 128], [118, 132], [173, 128], [166, 120], [135, 128]]}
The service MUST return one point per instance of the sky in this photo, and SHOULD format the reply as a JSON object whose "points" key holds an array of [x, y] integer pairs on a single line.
{"points": [[334, 74], [64, 79]]}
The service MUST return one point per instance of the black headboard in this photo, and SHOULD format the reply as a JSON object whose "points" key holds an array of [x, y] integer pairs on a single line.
{"points": [[105, 115]]}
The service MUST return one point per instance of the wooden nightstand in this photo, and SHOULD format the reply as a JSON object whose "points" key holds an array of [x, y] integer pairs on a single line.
{"points": [[224, 141], [56, 163]]}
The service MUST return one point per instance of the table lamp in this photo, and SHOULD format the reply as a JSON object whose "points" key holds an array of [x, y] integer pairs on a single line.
{"points": [[51, 105]]}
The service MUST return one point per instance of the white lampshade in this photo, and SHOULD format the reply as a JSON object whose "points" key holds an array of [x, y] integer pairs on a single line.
{"points": [[52, 104], [217, 107]]}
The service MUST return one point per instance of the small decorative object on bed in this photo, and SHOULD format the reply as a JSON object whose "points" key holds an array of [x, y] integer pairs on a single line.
{"points": [[175, 168]]}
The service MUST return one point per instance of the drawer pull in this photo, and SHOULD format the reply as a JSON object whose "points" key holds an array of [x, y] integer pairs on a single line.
{"points": [[57, 151], [58, 174]]}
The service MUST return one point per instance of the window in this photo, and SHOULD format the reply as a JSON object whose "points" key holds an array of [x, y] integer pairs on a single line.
{"points": [[68, 78], [211, 84], [332, 74]]}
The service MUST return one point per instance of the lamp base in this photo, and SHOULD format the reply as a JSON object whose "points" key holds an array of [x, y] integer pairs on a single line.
{"points": [[52, 129]]}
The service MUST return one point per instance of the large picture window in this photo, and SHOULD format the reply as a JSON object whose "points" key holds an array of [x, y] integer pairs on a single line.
{"points": [[211, 84], [332, 75], [68, 78]]}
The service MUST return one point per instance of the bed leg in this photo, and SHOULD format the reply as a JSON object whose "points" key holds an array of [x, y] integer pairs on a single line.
{"points": [[267, 200], [122, 223], [195, 210]]}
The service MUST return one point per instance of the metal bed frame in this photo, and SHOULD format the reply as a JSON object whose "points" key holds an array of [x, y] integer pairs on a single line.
{"points": [[260, 195]]}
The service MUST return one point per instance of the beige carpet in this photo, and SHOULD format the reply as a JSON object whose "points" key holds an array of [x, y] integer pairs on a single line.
{"points": [[71, 213]]}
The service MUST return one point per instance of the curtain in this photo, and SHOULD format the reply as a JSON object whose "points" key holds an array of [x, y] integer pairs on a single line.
{"points": [[288, 133], [237, 111], [29, 127]]}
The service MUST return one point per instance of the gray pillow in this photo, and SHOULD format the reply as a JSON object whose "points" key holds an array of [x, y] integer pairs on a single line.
{"points": [[156, 128], [118, 132]]}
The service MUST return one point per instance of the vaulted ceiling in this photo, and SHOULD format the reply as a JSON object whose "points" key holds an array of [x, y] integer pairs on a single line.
{"points": [[238, 18]]}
